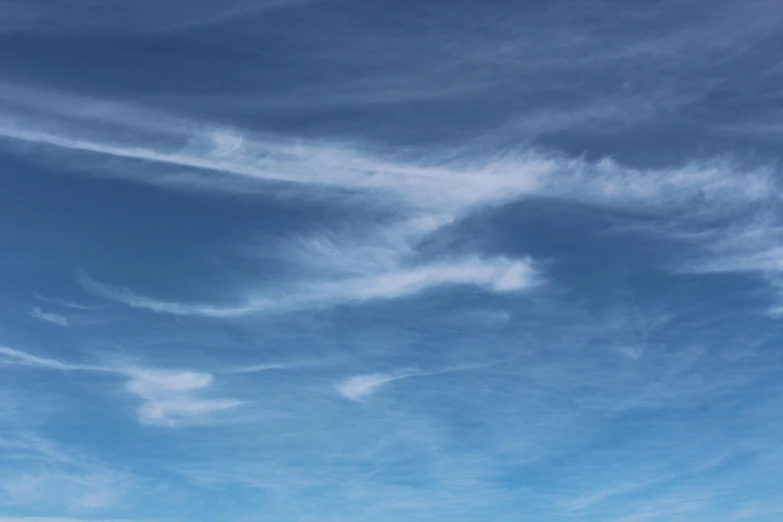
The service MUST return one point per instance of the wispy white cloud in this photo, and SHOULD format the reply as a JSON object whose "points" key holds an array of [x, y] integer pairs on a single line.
{"points": [[256, 368], [425, 193], [88, 16], [496, 275], [314, 165], [18, 357], [128, 297], [168, 397], [65, 304], [750, 244], [499, 275], [360, 387], [555, 376], [427, 183], [48, 317]]}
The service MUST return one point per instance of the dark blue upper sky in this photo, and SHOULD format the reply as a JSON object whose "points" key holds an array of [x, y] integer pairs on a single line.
{"points": [[343, 261]]}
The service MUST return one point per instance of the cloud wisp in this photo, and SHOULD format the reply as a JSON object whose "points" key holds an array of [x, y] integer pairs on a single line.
{"points": [[361, 387], [473, 234], [424, 194], [18, 357], [495, 275], [168, 397], [39, 314], [65, 304], [85, 16], [171, 396], [432, 182]]}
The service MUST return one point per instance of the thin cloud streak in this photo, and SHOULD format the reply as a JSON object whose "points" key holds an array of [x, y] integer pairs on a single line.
{"points": [[495, 275], [168, 16], [428, 194], [360, 387], [168, 397], [461, 182], [129, 298], [48, 317], [457, 187], [65, 304], [320, 166], [18, 357]]}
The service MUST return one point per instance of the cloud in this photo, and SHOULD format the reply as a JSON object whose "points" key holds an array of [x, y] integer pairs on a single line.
{"points": [[750, 244], [19, 357], [128, 297], [65, 304], [427, 183], [421, 194], [40, 473], [434, 183], [48, 317], [309, 165], [168, 397], [256, 368], [498, 275], [88, 16], [362, 386], [462, 448]]}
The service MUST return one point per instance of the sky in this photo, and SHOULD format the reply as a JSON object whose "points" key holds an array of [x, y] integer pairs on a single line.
{"points": [[386, 261]]}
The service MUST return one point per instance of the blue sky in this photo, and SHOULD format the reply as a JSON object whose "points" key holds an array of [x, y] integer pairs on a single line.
{"points": [[347, 261]]}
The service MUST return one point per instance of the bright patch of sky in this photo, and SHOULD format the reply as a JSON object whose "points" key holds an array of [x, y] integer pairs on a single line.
{"points": [[345, 261]]}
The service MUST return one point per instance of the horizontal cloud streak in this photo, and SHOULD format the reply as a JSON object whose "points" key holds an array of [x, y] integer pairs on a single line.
{"points": [[362, 386], [465, 180], [48, 317], [87, 16], [454, 187], [498, 275], [25, 359], [65, 304], [168, 397], [425, 192], [128, 297]]}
